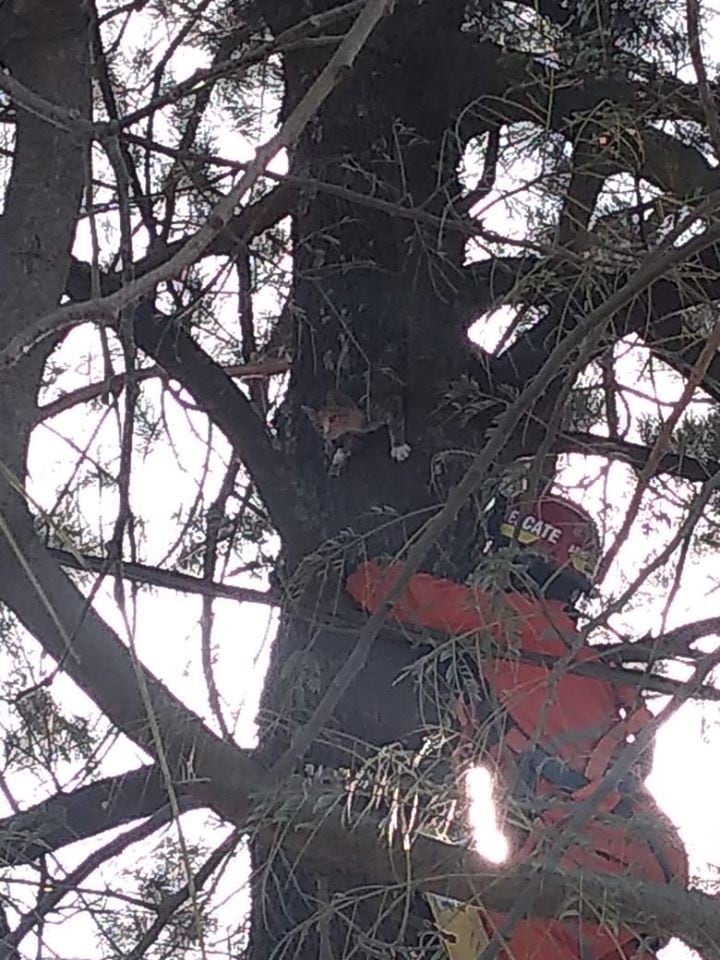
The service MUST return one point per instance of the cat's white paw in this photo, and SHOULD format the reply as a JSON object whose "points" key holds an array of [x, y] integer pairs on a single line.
{"points": [[401, 452], [339, 459]]}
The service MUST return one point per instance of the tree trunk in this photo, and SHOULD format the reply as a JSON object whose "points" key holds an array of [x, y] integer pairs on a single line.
{"points": [[368, 291]]}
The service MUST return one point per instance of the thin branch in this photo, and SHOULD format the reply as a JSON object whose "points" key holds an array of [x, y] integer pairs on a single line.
{"points": [[637, 455], [673, 644], [661, 444], [61, 888], [706, 96], [169, 579], [291, 38], [258, 369], [174, 901], [228, 408], [106, 309], [68, 120], [655, 314]]}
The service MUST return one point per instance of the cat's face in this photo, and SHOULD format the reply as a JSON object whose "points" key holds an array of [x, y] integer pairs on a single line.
{"points": [[334, 422]]}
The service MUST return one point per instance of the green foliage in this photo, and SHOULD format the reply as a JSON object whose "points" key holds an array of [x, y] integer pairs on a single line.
{"points": [[44, 735], [156, 882], [697, 435]]}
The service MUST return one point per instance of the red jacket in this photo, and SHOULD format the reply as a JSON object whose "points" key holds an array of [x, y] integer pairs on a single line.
{"points": [[578, 720]]}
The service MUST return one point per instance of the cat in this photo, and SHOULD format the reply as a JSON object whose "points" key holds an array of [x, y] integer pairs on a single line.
{"points": [[341, 420]]}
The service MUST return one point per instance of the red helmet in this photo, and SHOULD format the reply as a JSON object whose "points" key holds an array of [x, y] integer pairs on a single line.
{"points": [[563, 534]]}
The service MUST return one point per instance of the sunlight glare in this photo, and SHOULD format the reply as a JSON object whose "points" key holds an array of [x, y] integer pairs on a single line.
{"points": [[488, 838]]}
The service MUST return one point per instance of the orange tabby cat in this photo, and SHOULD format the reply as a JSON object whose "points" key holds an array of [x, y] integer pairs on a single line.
{"points": [[340, 420]]}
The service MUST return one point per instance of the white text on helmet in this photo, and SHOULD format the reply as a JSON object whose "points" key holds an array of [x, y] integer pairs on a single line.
{"points": [[536, 526]]}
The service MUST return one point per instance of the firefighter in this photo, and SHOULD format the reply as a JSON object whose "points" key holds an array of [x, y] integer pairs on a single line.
{"points": [[559, 731]]}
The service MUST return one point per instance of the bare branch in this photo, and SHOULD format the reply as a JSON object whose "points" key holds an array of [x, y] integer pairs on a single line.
{"points": [[257, 369], [706, 96], [52, 609], [169, 579], [106, 309], [174, 901], [636, 454]]}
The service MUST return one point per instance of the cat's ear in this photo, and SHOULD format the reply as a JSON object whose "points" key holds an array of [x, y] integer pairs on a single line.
{"points": [[311, 414]]}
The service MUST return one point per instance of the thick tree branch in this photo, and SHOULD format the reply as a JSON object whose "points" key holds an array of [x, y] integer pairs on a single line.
{"points": [[454, 871], [508, 86], [217, 396], [565, 361], [671, 341], [105, 309], [57, 614], [455, 222], [48, 163], [67, 817]]}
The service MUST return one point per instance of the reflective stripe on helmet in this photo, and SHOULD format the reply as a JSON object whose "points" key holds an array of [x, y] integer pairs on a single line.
{"points": [[557, 528]]}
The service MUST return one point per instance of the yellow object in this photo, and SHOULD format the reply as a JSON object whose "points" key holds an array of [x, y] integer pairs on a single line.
{"points": [[461, 927]]}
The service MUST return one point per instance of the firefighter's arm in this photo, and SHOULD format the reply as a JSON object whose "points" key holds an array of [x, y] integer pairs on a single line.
{"points": [[424, 601]]}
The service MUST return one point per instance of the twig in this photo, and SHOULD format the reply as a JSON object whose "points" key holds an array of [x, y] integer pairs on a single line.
{"points": [[60, 888], [705, 93], [661, 445], [106, 309], [174, 901], [215, 515], [170, 579], [257, 369]]}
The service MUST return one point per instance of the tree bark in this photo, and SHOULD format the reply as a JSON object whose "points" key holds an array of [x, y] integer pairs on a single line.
{"points": [[368, 292]]}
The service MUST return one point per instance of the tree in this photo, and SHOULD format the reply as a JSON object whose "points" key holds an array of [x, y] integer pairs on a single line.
{"points": [[374, 255]]}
